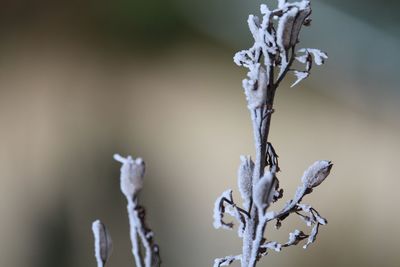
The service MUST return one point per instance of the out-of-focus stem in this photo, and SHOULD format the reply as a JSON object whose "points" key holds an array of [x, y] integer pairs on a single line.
{"points": [[133, 218], [138, 232]]}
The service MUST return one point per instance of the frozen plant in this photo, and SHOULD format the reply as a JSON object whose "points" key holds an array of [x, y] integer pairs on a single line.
{"points": [[269, 60], [142, 238]]}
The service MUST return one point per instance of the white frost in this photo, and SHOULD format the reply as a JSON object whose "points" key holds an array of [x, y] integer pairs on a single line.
{"points": [[245, 174], [316, 173], [219, 212], [312, 237], [295, 237], [264, 9], [254, 26], [281, 4], [256, 95], [228, 260], [300, 75], [283, 35], [318, 56], [272, 245]]}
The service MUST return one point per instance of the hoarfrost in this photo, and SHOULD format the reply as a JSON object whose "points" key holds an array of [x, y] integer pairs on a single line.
{"points": [[295, 237], [219, 210], [312, 236], [245, 175], [284, 31], [102, 243], [318, 55], [256, 93], [316, 173], [300, 75], [132, 173], [269, 60], [281, 3], [272, 245]]}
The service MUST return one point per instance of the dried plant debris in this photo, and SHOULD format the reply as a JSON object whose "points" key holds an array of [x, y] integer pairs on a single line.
{"points": [[269, 60]]}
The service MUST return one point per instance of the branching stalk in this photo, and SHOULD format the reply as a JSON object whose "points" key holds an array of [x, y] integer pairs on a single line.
{"points": [[274, 51]]}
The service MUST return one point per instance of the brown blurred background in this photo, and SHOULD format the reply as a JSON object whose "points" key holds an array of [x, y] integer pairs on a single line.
{"points": [[81, 80]]}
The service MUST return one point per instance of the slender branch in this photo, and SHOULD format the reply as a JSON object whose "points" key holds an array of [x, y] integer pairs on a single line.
{"points": [[138, 228], [133, 220], [291, 60]]}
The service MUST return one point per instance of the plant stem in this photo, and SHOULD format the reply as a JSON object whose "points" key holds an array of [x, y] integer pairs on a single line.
{"points": [[133, 218], [261, 118]]}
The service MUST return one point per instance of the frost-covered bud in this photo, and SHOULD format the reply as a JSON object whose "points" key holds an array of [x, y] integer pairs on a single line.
{"points": [[298, 23], [257, 94], [316, 173], [285, 26], [132, 173], [264, 191], [102, 243], [245, 175]]}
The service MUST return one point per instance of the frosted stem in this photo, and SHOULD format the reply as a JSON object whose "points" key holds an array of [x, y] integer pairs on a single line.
{"points": [[138, 229], [253, 235], [259, 237], [133, 219]]}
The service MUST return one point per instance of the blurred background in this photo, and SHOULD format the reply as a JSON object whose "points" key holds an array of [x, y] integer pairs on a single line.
{"points": [[81, 80]]}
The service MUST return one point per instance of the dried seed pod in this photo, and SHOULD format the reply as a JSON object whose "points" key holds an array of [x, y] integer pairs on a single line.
{"points": [[316, 173], [102, 243], [285, 26], [257, 93], [298, 23], [245, 175], [264, 191], [132, 173]]}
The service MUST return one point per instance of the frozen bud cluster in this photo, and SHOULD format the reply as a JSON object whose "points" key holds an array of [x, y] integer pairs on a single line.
{"points": [[102, 243], [290, 24], [245, 176], [276, 35], [132, 173], [316, 173]]}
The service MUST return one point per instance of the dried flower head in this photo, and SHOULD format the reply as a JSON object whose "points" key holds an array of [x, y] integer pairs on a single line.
{"points": [[132, 173]]}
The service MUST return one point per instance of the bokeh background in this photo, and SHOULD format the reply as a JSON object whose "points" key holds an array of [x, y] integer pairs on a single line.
{"points": [[81, 80]]}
